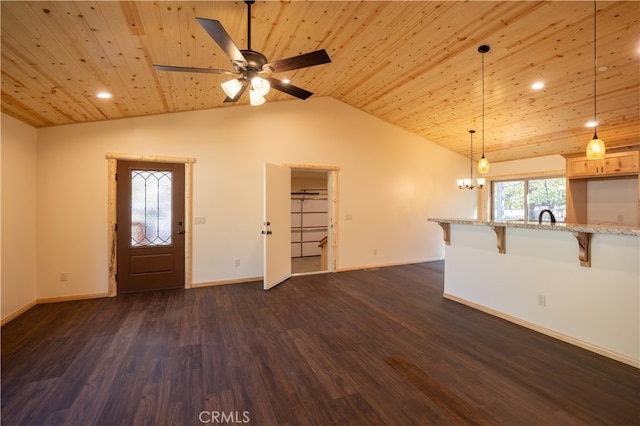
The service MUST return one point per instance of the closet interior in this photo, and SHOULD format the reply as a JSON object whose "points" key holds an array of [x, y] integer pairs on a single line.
{"points": [[309, 220]]}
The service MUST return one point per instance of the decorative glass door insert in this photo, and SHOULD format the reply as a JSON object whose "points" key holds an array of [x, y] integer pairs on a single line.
{"points": [[151, 208]]}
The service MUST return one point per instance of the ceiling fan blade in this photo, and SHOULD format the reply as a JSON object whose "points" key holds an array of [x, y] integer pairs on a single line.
{"points": [[192, 69], [220, 36], [240, 92], [301, 61], [289, 89]]}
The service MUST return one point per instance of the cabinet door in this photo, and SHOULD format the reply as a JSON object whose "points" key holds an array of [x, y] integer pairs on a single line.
{"points": [[621, 163], [581, 166]]}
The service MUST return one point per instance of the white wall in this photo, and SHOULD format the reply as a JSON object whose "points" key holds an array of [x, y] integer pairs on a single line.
{"points": [[598, 307], [18, 158], [390, 181], [529, 166], [613, 201]]}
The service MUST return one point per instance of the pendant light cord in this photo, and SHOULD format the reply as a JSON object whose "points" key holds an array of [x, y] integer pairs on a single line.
{"points": [[471, 160], [483, 105], [471, 132], [595, 71]]}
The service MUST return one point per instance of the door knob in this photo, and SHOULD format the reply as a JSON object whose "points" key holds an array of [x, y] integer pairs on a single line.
{"points": [[180, 232]]}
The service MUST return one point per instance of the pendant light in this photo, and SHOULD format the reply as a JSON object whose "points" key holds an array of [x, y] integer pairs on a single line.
{"points": [[595, 148], [469, 183], [483, 164]]}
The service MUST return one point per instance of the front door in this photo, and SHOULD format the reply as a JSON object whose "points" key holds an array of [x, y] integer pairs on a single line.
{"points": [[277, 224], [150, 226]]}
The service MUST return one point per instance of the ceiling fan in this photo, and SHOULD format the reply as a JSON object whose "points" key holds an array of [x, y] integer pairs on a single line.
{"points": [[252, 66]]}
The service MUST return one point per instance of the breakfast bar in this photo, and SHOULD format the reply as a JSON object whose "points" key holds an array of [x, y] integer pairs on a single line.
{"points": [[576, 282]]}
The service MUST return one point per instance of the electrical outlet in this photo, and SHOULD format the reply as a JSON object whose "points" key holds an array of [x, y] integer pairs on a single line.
{"points": [[542, 300], [620, 218], [237, 262], [375, 251], [64, 276]]}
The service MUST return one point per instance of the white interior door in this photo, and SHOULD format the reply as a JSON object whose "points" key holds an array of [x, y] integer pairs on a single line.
{"points": [[277, 224]]}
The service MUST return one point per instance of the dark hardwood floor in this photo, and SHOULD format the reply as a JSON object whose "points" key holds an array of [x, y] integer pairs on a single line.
{"points": [[377, 347]]}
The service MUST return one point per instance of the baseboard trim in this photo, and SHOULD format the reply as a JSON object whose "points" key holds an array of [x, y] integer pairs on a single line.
{"points": [[384, 265], [71, 298], [225, 282], [551, 333], [17, 313]]}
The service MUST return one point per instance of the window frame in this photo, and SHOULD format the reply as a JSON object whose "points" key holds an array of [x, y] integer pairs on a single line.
{"points": [[525, 179]]}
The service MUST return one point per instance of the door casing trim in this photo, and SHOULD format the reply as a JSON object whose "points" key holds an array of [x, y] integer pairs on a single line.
{"points": [[112, 160]]}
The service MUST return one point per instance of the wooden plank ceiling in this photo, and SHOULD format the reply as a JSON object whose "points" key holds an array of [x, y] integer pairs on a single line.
{"points": [[414, 64]]}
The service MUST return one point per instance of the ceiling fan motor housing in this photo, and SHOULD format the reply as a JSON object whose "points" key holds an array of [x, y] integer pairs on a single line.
{"points": [[254, 61]]}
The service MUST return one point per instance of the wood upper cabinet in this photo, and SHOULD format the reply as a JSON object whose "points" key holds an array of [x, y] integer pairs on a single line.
{"points": [[618, 163], [580, 172]]}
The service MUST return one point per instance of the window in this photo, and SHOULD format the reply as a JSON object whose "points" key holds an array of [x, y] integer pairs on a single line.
{"points": [[524, 199]]}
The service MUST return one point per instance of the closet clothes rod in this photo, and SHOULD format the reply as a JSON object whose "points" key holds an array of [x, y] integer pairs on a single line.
{"points": [[317, 191]]}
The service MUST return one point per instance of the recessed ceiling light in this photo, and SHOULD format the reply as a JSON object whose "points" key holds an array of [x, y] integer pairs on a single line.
{"points": [[286, 81], [104, 95], [603, 68], [592, 124], [537, 85]]}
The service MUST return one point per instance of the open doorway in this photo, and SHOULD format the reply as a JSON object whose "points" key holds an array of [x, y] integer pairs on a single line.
{"points": [[310, 221]]}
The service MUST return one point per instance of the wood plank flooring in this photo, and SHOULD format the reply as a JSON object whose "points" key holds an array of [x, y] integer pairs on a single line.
{"points": [[301, 265], [377, 347]]}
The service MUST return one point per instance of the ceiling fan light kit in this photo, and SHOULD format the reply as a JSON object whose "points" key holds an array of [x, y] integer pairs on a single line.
{"points": [[260, 86], [231, 87], [252, 66]]}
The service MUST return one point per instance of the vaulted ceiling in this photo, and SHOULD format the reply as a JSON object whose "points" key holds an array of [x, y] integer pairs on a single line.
{"points": [[414, 64]]}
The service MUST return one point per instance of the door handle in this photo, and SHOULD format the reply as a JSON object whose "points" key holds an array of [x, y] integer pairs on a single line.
{"points": [[180, 232]]}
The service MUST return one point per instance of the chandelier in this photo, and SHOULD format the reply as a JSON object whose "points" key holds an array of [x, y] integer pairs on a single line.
{"points": [[470, 183]]}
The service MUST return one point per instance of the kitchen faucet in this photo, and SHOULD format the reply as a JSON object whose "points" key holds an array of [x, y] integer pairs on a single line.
{"points": [[553, 218]]}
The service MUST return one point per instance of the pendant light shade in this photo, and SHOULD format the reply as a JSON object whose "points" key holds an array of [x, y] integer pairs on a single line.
{"points": [[596, 149], [483, 164]]}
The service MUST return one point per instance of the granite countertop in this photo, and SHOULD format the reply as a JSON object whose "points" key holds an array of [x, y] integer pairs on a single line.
{"points": [[587, 228]]}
